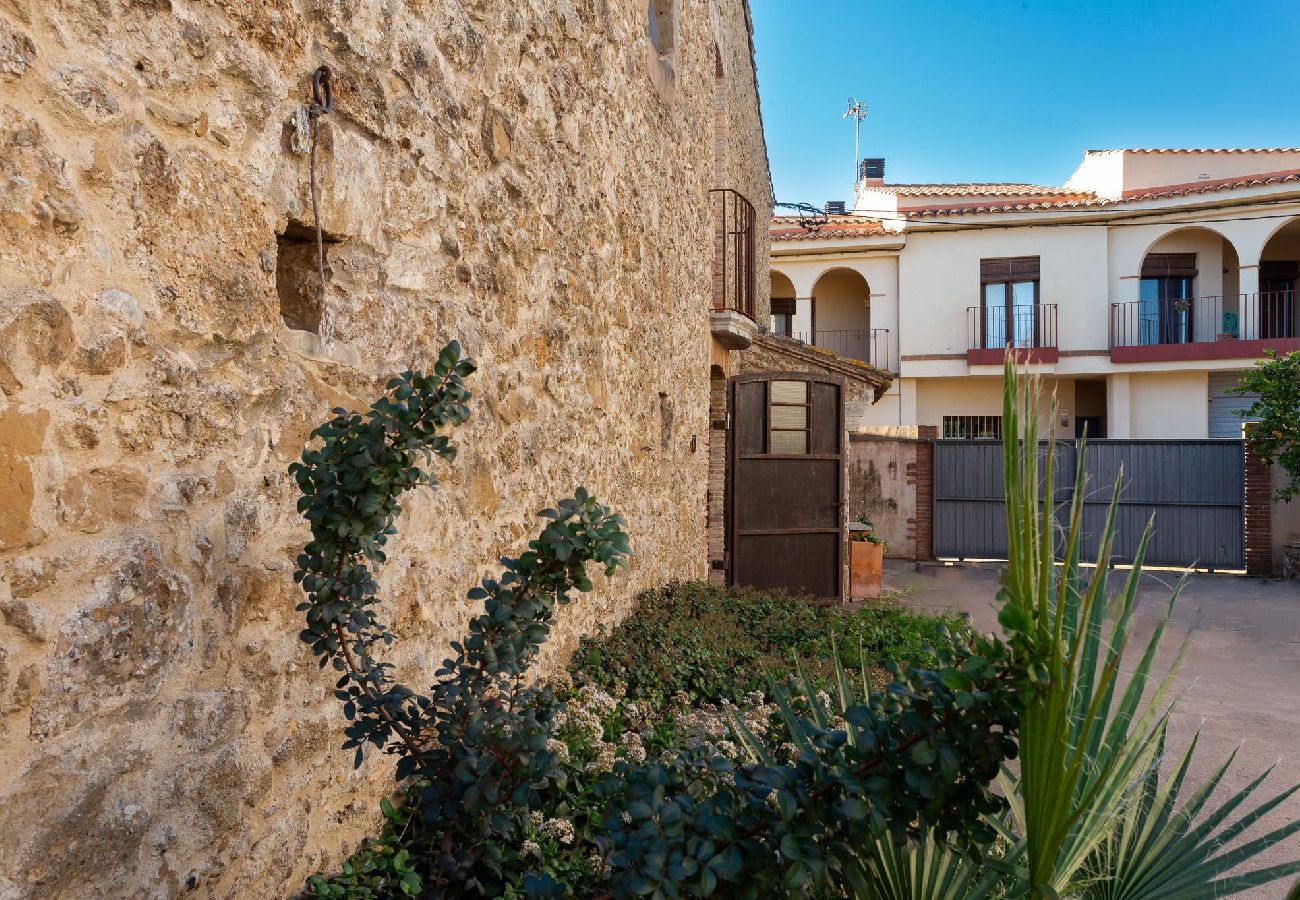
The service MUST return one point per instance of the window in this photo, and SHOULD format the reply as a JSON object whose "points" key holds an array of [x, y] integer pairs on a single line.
{"points": [[973, 427], [788, 417], [1165, 300], [1009, 302], [783, 316]]}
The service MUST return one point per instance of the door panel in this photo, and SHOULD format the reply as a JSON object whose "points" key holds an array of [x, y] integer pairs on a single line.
{"points": [[786, 483]]}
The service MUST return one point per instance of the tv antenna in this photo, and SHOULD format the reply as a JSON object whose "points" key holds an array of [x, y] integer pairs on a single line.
{"points": [[857, 111]]}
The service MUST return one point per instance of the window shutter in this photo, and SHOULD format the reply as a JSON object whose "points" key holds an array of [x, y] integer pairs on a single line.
{"points": [[1010, 268], [1167, 265], [1279, 270], [782, 307]]}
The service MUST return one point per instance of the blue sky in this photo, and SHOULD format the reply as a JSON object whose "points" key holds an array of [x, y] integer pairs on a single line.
{"points": [[1016, 90]]}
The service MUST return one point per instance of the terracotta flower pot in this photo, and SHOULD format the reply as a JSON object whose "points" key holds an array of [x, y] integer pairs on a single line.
{"points": [[866, 569]]}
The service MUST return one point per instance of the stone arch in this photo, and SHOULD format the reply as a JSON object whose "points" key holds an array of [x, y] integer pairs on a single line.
{"points": [[841, 312], [841, 300], [1290, 225], [1272, 310], [782, 286], [1218, 264], [1188, 289], [783, 303]]}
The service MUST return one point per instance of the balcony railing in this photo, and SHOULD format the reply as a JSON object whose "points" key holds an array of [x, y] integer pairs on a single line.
{"points": [[868, 345], [1205, 320], [997, 328], [733, 251]]}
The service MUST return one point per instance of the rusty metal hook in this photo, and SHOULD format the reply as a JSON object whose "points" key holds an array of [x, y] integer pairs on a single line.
{"points": [[320, 81]]}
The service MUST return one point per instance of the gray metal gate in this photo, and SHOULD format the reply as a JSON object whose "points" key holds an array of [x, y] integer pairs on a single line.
{"points": [[1193, 489]]}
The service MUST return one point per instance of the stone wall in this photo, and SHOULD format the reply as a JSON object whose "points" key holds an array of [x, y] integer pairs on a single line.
{"points": [[882, 486], [527, 176]]}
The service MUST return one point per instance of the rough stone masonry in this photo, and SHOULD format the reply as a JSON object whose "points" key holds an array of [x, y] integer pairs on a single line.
{"points": [[527, 176]]}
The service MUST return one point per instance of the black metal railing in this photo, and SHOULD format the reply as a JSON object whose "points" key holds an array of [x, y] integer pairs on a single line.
{"points": [[1204, 320], [733, 251], [868, 345], [1268, 315], [1020, 327]]}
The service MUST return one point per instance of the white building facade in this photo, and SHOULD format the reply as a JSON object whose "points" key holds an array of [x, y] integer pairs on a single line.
{"points": [[1139, 290]]}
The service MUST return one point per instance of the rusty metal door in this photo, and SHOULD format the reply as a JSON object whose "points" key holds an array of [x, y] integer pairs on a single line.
{"points": [[786, 498]]}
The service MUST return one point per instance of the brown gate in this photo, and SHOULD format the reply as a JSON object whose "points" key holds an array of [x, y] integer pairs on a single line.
{"points": [[786, 498]]}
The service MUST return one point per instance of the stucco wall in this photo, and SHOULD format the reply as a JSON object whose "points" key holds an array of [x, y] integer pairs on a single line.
{"points": [[982, 396], [879, 488], [521, 176], [1286, 521], [939, 279], [1168, 405]]}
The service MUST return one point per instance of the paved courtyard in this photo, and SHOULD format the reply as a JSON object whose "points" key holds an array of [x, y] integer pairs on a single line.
{"points": [[1241, 677]]}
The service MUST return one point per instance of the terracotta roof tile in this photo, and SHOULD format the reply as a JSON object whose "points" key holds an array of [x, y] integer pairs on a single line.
{"points": [[787, 228], [1199, 150], [1091, 201], [969, 190]]}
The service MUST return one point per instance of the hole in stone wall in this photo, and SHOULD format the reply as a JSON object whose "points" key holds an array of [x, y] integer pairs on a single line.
{"points": [[665, 421], [661, 25], [297, 280]]}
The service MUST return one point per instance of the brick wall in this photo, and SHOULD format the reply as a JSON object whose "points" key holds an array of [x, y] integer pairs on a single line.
{"points": [[717, 494], [1259, 514], [923, 526]]}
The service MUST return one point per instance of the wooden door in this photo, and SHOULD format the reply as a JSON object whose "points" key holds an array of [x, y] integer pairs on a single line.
{"points": [[786, 501]]}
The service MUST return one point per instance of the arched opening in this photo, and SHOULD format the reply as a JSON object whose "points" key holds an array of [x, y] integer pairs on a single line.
{"points": [[841, 315], [783, 306], [1187, 292], [1274, 312]]}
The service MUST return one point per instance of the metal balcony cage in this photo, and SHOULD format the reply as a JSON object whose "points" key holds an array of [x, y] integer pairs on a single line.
{"points": [[1202, 320], [733, 252], [1019, 327]]}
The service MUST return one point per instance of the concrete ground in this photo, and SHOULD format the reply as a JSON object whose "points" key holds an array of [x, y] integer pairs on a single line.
{"points": [[1241, 676]]}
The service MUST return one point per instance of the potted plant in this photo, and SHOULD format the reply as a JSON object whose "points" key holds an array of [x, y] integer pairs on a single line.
{"points": [[866, 560]]}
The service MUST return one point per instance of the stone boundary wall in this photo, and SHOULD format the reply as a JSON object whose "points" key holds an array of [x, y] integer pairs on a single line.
{"points": [[891, 482], [527, 176]]}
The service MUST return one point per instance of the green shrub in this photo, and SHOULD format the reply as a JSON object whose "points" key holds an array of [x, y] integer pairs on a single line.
{"points": [[718, 643], [503, 800], [1275, 380], [518, 789]]}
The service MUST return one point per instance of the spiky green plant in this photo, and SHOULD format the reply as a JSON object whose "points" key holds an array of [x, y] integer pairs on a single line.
{"points": [[1095, 818], [1159, 849], [1091, 815]]}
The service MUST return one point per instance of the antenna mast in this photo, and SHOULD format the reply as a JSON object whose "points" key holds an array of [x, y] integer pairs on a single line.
{"points": [[857, 111]]}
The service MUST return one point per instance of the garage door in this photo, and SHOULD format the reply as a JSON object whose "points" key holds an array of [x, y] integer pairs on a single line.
{"points": [[1226, 408]]}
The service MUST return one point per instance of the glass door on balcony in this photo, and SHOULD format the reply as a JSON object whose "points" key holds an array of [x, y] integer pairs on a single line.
{"points": [[1165, 310], [1009, 302], [1010, 314]]}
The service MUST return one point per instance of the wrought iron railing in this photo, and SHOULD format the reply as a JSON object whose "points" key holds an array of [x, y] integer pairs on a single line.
{"points": [[1203, 320], [733, 251], [868, 345], [1019, 327]]}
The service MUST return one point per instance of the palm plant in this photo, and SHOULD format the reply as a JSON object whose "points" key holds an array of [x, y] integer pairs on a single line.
{"points": [[1091, 815], [1090, 805]]}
